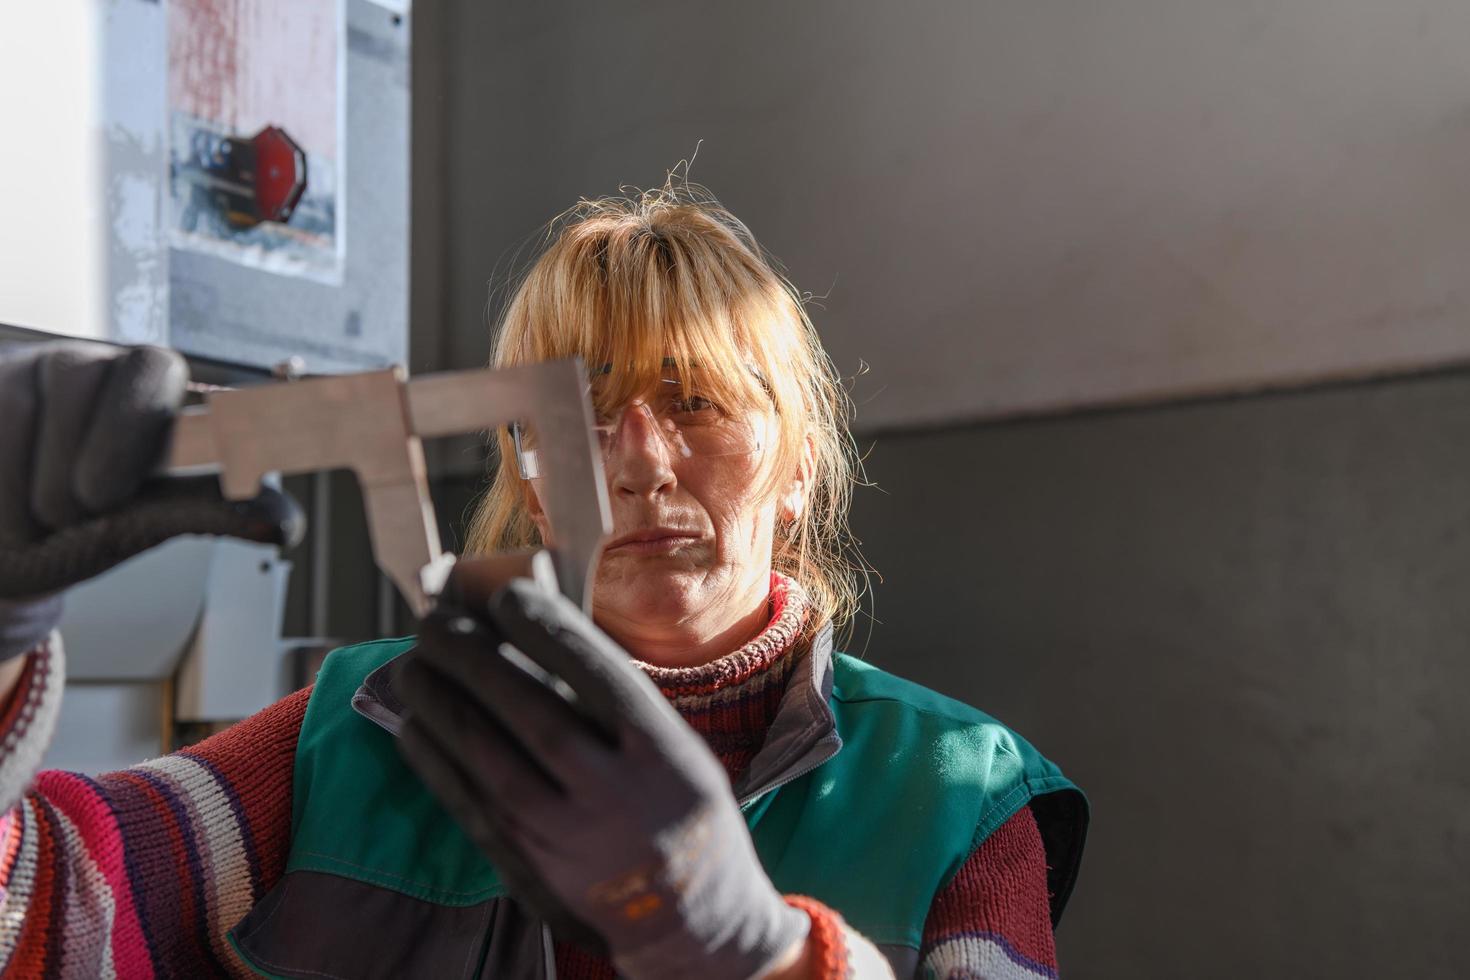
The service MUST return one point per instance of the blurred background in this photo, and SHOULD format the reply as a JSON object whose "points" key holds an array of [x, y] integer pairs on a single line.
{"points": [[1157, 320]]}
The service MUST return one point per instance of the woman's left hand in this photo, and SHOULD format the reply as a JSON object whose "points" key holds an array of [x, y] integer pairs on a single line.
{"points": [[595, 801]]}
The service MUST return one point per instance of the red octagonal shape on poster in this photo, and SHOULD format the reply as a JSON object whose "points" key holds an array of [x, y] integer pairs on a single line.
{"points": [[280, 174]]}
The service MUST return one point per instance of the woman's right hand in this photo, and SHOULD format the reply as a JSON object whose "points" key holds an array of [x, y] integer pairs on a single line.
{"points": [[83, 427]]}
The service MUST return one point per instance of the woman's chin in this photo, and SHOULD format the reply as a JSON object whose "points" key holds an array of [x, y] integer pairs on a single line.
{"points": [[654, 598]]}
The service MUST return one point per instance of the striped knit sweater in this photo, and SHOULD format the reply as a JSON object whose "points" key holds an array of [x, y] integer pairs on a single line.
{"points": [[141, 873]]}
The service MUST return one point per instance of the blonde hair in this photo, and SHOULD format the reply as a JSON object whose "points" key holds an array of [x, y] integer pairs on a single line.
{"points": [[671, 273]]}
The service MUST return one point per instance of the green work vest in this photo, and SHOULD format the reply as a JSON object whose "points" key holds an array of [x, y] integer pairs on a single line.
{"points": [[874, 831]]}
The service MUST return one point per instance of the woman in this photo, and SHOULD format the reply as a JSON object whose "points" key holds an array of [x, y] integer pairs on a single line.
{"points": [[689, 782]]}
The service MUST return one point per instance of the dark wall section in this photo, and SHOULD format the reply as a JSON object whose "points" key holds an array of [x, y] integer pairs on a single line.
{"points": [[1243, 627]]}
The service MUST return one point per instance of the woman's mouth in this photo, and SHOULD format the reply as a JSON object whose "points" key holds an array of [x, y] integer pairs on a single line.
{"points": [[651, 541]]}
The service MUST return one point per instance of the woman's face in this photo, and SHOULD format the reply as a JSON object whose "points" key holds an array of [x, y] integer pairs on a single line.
{"points": [[688, 564]]}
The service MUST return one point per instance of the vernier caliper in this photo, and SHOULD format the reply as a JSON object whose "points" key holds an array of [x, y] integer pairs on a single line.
{"points": [[373, 423]]}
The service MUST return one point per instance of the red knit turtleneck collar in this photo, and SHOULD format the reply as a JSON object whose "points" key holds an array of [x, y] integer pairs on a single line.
{"points": [[732, 700]]}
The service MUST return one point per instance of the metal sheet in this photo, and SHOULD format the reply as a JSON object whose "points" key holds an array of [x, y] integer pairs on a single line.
{"points": [[104, 727], [235, 664], [132, 622]]}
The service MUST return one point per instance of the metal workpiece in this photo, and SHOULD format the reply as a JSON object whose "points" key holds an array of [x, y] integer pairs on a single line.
{"points": [[373, 424], [552, 398]]}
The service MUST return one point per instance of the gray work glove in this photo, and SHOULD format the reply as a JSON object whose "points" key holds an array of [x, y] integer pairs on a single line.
{"points": [[82, 427], [600, 807]]}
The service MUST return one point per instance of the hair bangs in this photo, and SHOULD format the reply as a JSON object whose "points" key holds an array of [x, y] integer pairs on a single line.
{"points": [[638, 305]]}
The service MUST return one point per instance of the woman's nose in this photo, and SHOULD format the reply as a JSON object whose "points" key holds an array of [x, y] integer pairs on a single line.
{"points": [[639, 458]]}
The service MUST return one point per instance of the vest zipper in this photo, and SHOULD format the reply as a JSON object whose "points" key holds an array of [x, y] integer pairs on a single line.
{"points": [[756, 794]]}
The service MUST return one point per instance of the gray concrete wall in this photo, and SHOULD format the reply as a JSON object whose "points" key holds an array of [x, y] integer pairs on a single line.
{"points": [[1243, 627], [1011, 207]]}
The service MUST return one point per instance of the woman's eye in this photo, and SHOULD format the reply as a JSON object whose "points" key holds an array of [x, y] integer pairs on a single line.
{"points": [[695, 405]]}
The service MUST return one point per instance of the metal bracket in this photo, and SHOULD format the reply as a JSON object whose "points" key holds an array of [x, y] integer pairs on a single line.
{"points": [[373, 423]]}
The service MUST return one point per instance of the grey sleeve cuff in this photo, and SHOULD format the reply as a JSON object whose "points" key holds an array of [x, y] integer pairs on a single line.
{"points": [[25, 623]]}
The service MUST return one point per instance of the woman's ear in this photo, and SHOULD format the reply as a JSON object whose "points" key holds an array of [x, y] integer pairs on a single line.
{"points": [[793, 502]]}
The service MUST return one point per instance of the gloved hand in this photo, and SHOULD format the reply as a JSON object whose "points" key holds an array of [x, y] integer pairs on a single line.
{"points": [[600, 807], [82, 426]]}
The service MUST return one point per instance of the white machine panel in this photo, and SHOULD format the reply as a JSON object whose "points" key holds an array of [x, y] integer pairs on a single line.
{"points": [[112, 112]]}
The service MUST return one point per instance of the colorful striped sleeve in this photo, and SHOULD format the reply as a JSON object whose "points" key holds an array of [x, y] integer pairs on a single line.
{"points": [[994, 918], [141, 873]]}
